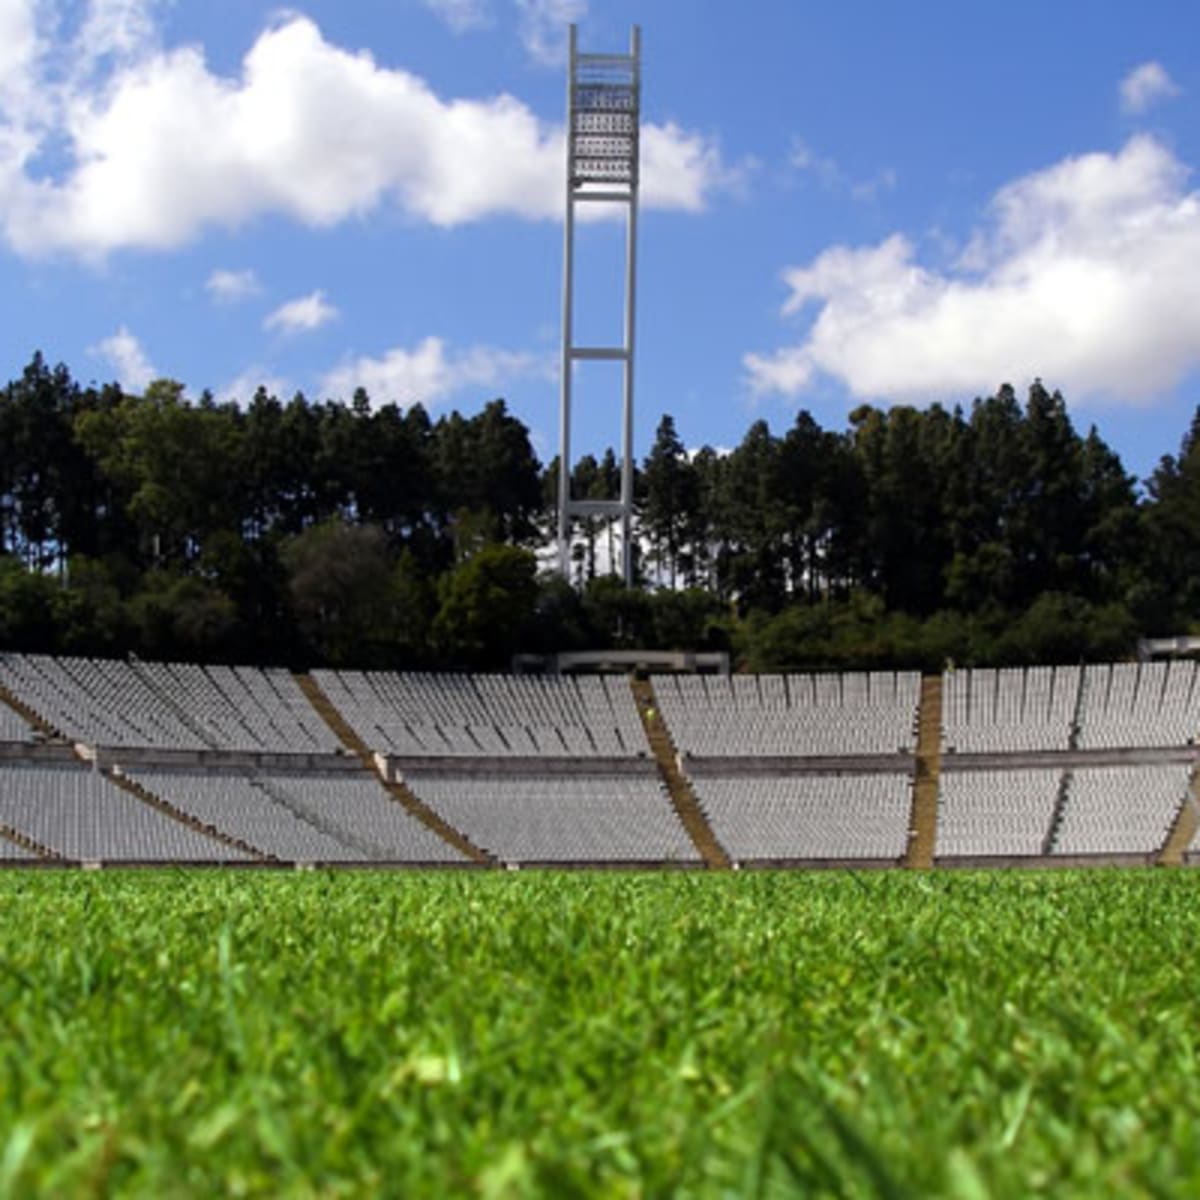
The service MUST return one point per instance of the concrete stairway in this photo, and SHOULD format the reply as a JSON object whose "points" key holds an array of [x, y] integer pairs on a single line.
{"points": [[33, 717], [399, 792], [923, 839], [1184, 829], [146, 796], [17, 838], [687, 807]]}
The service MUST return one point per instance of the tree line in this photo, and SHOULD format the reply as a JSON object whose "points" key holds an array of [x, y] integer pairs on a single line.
{"points": [[308, 533]]}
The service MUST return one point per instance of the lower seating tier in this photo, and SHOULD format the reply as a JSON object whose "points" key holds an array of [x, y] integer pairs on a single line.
{"points": [[808, 817], [332, 818], [561, 818], [84, 816]]}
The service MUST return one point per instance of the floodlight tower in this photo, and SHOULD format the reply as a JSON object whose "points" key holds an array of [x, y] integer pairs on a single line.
{"points": [[603, 102]]}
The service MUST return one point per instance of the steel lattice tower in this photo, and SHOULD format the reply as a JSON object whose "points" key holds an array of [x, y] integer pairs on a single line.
{"points": [[603, 103]]}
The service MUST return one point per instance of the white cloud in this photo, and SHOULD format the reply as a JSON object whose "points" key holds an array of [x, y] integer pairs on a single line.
{"points": [[461, 15], [302, 315], [1088, 274], [829, 174], [1145, 85], [18, 45], [120, 30], [543, 26], [823, 168], [679, 170], [165, 147], [124, 354], [429, 373], [231, 286], [241, 389]]}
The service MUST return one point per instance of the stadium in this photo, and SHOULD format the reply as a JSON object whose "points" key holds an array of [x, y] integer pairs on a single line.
{"points": [[390, 809], [108, 762]]}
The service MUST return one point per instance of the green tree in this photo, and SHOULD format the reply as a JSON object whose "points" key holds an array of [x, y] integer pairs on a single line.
{"points": [[670, 497], [172, 460], [487, 603], [1169, 595], [339, 584]]}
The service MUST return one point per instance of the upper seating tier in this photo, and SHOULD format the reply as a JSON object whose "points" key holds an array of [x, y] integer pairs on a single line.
{"points": [[422, 715], [178, 706], [796, 716]]}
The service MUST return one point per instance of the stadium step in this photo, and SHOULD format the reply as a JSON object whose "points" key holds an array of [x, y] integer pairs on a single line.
{"points": [[146, 796], [923, 839], [400, 792], [687, 807], [1186, 824], [31, 716], [9, 834], [1061, 799]]}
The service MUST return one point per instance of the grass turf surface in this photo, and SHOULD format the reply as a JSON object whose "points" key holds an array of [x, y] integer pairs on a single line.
{"points": [[960, 1034]]}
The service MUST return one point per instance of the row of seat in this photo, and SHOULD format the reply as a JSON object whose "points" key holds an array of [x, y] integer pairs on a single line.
{"points": [[13, 727], [1103, 706], [178, 706], [1140, 704], [81, 815], [526, 817], [1028, 813], [808, 817], [1009, 710], [1120, 809], [791, 715], [562, 819], [190, 707], [463, 716], [343, 817]]}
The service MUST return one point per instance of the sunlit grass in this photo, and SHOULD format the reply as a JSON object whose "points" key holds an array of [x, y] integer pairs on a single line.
{"points": [[196, 1034]]}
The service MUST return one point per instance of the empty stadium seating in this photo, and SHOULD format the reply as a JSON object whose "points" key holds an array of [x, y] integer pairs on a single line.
{"points": [[13, 728], [465, 716], [1009, 711], [1070, 763], [996, 814], [808, 817], [561, 818], [1139, 704], [178, 706], [83, 816], [1120, 810], [301, 818], [790, 715]]}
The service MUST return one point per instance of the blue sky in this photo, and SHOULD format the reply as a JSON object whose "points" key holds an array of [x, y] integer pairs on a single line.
{"points": [[841, 203]]}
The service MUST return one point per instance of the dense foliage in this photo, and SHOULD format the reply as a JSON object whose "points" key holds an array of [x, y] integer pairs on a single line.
{"points": [[300, 532], [821, 1034]]}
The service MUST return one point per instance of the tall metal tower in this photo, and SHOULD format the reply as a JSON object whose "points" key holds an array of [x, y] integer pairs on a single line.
{"points": [[603, 103]]}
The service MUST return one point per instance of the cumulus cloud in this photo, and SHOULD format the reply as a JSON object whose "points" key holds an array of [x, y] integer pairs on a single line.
{"points": [[302, 315], [165, 147], [124, 354], [241, 389], [1145, 86], [430, 372], [120, 30], [231, 286], [1087, 273], [461, 15], [543, 25], [829, 174], [18, 43]]}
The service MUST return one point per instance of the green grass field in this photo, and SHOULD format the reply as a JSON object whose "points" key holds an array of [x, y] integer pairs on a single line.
{"points": [[894, 1034]]}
